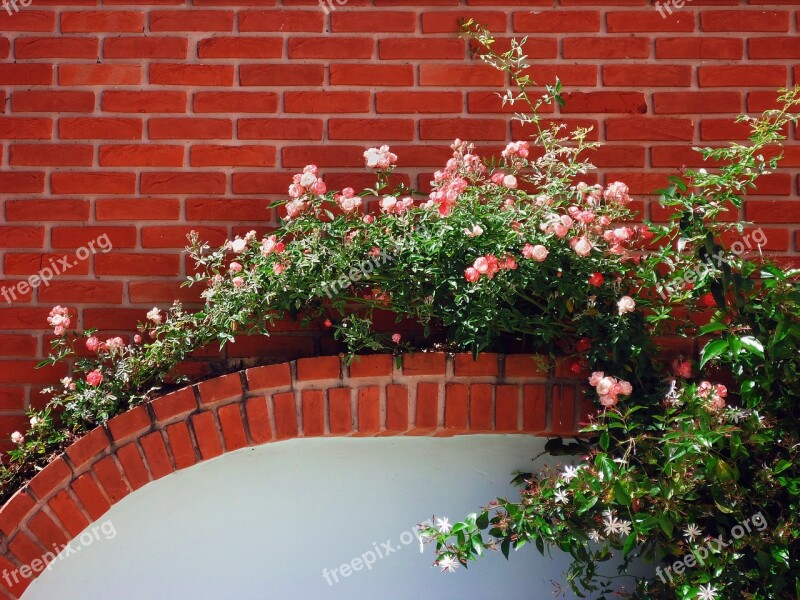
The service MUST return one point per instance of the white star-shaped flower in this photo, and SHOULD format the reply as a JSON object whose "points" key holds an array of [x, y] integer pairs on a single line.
{"points": [[692, 532], [569, 473], [707, 592], [624, 527], [594, 535], [448, 563], [443, 525], [561, 496]]}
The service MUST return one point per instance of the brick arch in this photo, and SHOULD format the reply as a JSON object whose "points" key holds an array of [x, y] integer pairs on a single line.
{"points": [[430, 394]]}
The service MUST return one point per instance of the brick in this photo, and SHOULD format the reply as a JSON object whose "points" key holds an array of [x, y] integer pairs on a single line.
{"points": [[241, 156], [285, 416], [611, 48], [744, 20], [145, 47], [191, 20], [31, 209], [460, 75], [240, 47], [111, 479], [230, 420], [258, 420], [24, 548], [17, 128], [102, 21], [156, 455], [47, 531], [650, 21], [90, 496], [183, 183], [373, 22], [699, 48], [50, 478], [174, 404], [313, 407], [567, 21], [281, 20], [330, 47], [313, 369], [92, 445], [191, 74], [419, 102], [207, 435], [484, 366], [371, 75], [326, 102], [51, 155], [130, 423], [189, 128], [424, 363], [220, 389], [21, 181], [649, 128], [133, 466], [563, 416], [340, 411], [534, 408], [269, 376], [56, 47], [410, 48], [144, 102], [68, 513], [369, 129], [739, 76], [98, 128], [427, 414], [181, 445], [604, 102], [375, 365], [26, 74], [507, 408], [369, 410], [15, 510], [396, 408], [696, 102], [235, 102], [647, 75], [140, 155], [774, 48], [99, 74], [28, 20], [455, 406]]}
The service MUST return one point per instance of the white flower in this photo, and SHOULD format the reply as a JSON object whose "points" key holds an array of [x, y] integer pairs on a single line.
{"points": [[610, 523], [594, 535], [707, 592], [569, 473], [692, 531], [66, 381], [561, 496], [17, 437], [34, 421], [626, 304], [474, 232], [448, 563], [154, 315], [624, 527], [443, 525]]}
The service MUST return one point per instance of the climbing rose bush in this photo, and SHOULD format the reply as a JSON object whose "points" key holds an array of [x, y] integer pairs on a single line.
{"points": [[525, 250]]}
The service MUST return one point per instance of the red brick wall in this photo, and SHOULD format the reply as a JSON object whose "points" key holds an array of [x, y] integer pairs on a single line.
{"points": [[142, 121], [430, 395]]}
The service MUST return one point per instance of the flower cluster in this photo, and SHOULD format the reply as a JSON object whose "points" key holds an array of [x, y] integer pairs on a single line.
{"points": [[715, 394], [489, 266], [609, 388], [380, 158], [59, 320]]}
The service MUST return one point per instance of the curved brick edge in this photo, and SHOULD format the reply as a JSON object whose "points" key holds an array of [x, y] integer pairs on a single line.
{"points": [[431, 394]]}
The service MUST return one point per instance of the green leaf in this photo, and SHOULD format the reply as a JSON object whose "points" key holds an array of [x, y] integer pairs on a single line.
{"points": [[753, 345], [712, 327], [604, 441], [712, 350]]}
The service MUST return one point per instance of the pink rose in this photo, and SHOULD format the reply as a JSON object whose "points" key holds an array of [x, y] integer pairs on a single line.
{"points": [[605, 385], [296, 190], [609, 401], [238, 282], [596, 377], [510, 182], [581, 245], [92, 344], [472, 275], [481, 265], [17, 437], [137, 339], [396, 338], [235, 267], [626, 304], [319, 187], [94, 378]]}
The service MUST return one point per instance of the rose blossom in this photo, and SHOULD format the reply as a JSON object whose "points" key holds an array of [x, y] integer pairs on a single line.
{"points": [[510, 182], [581, 245], [380, 158], [596, 279], [92, 343], [137, 339], [626, 304], [617, 192], [154, 315], [94, 378], [682, 368], [17, 437], [238, 282], [319, 187], [537, 252], [474, 232], [471, 274], [396, 338]]}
